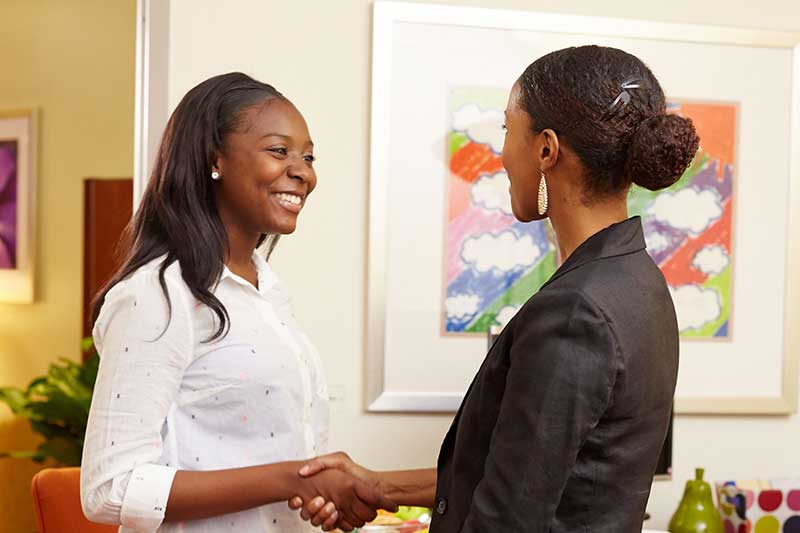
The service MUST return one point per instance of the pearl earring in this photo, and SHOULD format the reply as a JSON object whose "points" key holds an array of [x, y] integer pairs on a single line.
{"points": [[215, 175], [542, 195]]}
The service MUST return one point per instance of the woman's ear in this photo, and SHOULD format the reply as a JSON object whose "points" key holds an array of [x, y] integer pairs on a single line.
{"points": [[217, 163], [548, 149]]}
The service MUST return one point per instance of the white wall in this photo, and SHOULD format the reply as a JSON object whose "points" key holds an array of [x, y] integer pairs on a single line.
{"points": [[317, 52]]}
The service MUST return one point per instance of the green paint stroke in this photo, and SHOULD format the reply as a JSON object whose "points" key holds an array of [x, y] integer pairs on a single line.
{"points": [[519, 293], [720, 283], [457, 141], [640, 199]]}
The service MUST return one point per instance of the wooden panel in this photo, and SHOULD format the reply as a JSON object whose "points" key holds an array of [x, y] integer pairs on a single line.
{"points": [[107, 208]]}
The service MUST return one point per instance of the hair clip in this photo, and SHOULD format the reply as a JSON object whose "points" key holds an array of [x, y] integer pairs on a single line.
{"points": [[624, 97]]}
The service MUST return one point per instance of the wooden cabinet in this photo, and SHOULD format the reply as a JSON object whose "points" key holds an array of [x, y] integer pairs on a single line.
{"points": [[107, 209]]}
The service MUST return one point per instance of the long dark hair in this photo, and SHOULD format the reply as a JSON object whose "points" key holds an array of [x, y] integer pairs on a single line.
{"points": [[620, 138], [177, 217]]}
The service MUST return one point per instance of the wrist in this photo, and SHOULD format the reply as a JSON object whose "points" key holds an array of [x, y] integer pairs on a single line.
{"points": [[290, 483]]}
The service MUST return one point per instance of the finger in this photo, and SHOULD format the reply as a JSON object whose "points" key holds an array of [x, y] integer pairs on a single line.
{"points": [[312, 467], [330, 523], [312, 508], [334, 460], [344, 525], [351, 518], [323, 514], [296, 503], [363, 511]]}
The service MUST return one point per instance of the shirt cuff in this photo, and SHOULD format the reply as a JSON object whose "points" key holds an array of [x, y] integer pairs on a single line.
{"points": [[145, 500]]}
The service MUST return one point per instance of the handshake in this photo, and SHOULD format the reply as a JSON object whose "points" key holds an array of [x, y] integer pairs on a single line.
{"points": [[338, 493]]}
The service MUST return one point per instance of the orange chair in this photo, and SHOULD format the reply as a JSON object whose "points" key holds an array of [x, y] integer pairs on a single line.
{"points": [[57, 503]]}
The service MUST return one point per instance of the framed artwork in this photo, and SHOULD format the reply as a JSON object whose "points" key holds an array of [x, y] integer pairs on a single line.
{"points": [[493, 263], [448, 262], [17, 201]]}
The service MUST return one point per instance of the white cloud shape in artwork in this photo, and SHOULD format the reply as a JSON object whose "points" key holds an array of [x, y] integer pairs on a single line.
{"points": [[504, 252], [656, 242], [695, 306], [688, 209], [711, 260], [484, 127], [461, 305], [505, 314], [491, 192]]}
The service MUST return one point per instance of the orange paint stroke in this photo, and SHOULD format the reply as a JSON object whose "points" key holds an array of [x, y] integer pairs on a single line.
{"points": [[716, 126], [679, 270], [472, 160]]}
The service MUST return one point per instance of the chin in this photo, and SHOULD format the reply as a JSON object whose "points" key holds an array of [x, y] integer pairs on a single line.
{"points": [[524, 216]]}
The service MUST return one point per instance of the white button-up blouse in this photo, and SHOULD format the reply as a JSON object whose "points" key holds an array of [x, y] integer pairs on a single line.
{"points": [[166, 399]]}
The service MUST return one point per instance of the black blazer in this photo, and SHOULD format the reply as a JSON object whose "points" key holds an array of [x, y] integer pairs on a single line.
{"points": [[562, 426]]}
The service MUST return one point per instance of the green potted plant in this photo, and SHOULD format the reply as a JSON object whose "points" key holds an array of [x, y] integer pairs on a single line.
{"points": [[57, 406]]}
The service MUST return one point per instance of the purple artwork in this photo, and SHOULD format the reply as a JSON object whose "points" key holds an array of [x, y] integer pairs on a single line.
{"points": [[8, 204]]}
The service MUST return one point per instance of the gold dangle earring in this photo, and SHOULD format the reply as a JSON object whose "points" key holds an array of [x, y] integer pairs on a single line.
{"points": [[542, 195]]}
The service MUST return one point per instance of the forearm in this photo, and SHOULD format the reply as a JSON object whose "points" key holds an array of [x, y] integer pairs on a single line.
{"points": [[409, 487], [196, 495]]}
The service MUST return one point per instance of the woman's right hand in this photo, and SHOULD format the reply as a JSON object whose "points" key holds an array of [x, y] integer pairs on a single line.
{"points": [[356, 502], [318, 511], [340, 461]]}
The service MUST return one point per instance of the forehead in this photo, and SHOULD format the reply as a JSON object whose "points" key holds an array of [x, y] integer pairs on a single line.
{"points": [[274, 115], [514, 107]]}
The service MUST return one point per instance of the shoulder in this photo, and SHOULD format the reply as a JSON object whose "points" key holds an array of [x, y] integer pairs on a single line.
{"points": [[147, 292], [564, 313], [563, 302]]}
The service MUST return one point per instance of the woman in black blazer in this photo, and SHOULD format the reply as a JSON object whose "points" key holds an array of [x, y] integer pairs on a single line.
{"points": [[562, 426]]}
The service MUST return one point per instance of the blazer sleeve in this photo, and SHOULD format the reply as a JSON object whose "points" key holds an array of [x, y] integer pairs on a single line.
{"points": [[563, 363]]}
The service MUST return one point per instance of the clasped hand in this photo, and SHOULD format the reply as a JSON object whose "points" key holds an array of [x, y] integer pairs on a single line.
{"points": [[339, 493]]}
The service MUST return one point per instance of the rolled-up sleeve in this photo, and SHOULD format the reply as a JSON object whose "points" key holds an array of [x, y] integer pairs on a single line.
{"points": [[144, 350], [563, 363]]}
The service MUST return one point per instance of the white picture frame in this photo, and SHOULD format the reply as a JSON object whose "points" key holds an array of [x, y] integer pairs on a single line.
{"points": [[421, 49]]}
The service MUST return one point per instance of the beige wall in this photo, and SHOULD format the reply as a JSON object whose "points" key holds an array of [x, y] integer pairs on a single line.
{"points": [[318, 54], [74, 61]]}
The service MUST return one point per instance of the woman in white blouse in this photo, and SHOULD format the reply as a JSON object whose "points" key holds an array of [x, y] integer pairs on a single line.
{"points": [[209, 396]]}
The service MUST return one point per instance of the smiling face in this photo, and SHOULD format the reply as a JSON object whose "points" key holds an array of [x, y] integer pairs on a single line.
{"points": [[267, 170]]}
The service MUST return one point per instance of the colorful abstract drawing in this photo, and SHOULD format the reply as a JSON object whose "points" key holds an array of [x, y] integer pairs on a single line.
{"points": [[689, 227], [493, 263], [8, 204]]}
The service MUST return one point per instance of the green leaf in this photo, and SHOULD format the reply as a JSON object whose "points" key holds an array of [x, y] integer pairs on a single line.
{"points": [[87, 344], [36, 456], [57, 407], [60, 407], [65, 451], [49, 430], [89, 371], [36, 382], [16, 399]]}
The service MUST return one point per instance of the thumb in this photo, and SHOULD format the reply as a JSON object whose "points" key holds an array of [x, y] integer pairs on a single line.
{"points": [[374, 498], [312, 467], [322, 462]]}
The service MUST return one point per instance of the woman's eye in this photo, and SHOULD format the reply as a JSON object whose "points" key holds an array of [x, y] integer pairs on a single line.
{"points": [[281, 151], [310, 158]]}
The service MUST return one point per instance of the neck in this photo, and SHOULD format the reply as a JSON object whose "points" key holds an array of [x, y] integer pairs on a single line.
{"points": [[575, 223], [240, 249]]}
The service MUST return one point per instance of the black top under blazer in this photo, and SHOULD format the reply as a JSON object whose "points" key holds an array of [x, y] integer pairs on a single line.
{"points": [[562, 426]]}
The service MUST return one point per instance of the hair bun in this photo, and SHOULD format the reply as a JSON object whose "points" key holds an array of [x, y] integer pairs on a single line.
{"points": [[661, 149]]}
